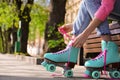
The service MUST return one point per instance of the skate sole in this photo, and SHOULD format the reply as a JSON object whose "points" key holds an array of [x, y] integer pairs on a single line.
{"points": [[111, 66], [61, 64], [113, 69]]}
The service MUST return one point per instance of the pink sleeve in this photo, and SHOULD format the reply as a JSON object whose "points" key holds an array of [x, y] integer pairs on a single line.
{"points": [[105, 9]]}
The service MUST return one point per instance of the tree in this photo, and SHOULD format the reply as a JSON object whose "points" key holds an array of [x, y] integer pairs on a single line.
{"points": [[6, 22], [24, 10], [39, 15], [53, 40]]}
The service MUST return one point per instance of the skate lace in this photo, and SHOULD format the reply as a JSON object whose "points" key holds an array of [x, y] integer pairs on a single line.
{"points": [[98, 57], [61, 30], [68, 48], [105, 56], [102, 54]]}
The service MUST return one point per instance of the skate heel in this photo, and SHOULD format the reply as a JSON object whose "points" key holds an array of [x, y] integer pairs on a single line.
{"points": [[67, 72], [114, 71], [114, 65], [70, 65]]}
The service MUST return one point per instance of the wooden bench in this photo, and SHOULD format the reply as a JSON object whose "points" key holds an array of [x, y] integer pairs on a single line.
{"points": [[93, 44]]}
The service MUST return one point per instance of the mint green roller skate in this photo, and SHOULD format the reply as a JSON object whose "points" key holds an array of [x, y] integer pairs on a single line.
{"points": [[66, 59], [107, 60]]}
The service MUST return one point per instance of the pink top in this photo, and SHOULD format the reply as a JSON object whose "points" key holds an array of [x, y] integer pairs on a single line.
{"points": [[105, 9]]}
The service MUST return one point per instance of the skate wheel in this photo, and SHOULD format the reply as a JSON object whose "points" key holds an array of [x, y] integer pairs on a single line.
{"points": [[110, 74], [68, 73], [114, 74], [96, 74], [44, 63], [51, 67]]}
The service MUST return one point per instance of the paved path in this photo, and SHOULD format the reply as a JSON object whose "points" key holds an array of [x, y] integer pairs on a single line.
{"points": [[13, 69]]}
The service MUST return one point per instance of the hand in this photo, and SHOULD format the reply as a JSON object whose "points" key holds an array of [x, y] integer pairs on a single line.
{"points": [[79, 40], [67, 27]]}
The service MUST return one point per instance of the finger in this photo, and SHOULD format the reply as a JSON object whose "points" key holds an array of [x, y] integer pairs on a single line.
{"points": [[74, 44], [77, 46]]}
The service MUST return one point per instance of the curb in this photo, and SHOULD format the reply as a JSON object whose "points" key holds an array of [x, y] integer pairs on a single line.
{"points": [[30, 59]]}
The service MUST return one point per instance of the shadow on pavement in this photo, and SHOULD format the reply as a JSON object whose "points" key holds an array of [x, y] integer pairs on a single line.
{"points": [[21, 78], [3, 77]]}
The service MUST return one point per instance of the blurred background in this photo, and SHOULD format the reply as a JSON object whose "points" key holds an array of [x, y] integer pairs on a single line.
{"points": [[30, 27]]}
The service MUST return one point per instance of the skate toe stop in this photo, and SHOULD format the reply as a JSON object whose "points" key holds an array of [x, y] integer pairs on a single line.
{"points": [[86, 76]]}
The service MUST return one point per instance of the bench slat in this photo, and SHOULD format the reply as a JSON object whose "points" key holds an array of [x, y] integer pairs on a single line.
{"points": [[97, 40], [96, 50], [113, 32], [97, 45]]}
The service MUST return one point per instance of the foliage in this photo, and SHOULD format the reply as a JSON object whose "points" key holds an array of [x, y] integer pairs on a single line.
{"points": [[39, 17], [1, 47], [57, 41], [7, 15]]}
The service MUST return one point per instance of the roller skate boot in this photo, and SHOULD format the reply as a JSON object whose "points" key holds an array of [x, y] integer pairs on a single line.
{"points": [[87, 72], [107, 60], [66, 59]]}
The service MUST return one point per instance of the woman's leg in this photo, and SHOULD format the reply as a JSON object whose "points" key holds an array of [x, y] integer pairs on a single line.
{"points": [[86, 12], [103, 29], [82, 20], [105, 58], [109, 48]]}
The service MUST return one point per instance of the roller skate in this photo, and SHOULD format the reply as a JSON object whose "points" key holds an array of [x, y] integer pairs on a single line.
{"points": [[66, 59], [108, 61]]}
